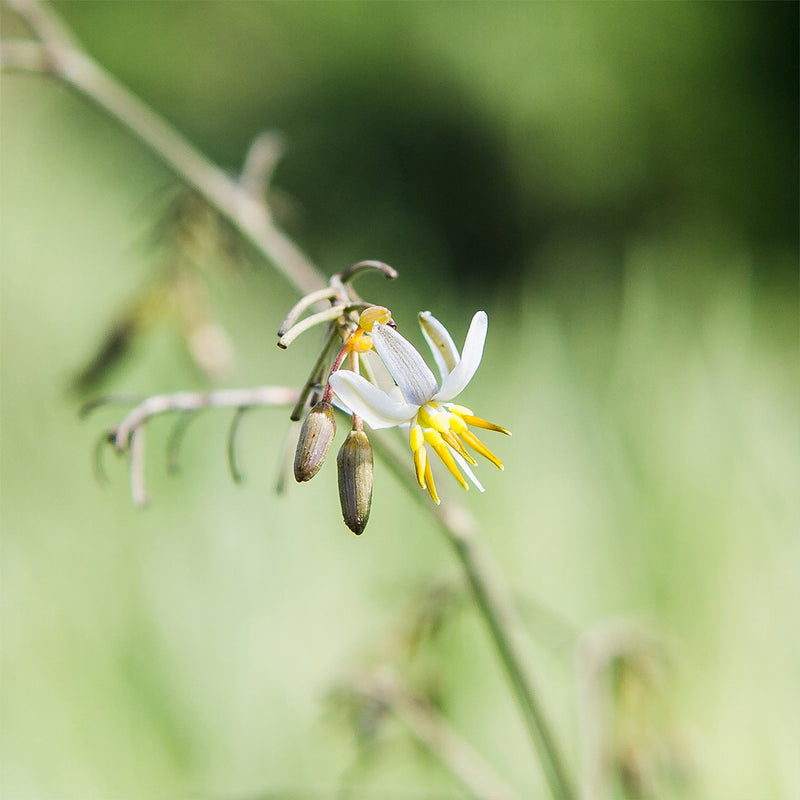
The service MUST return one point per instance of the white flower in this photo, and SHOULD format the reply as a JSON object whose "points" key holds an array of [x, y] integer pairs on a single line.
{"points": [[419, 401]]}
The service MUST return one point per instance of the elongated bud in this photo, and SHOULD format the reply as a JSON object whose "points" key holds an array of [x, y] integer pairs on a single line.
{"points": [[315, 440], [355, 480]]}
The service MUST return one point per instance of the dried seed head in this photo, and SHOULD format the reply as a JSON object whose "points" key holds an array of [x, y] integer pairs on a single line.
{"points": [[315, 440], [355, 480]]}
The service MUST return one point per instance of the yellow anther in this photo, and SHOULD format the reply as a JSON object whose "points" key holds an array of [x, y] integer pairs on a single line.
{"points": [[372, 315], [458, 446], [421, 465], [458, 424], [479, 447], [434, 439], [429, 484], [417, 441], [460, 410], [482, 423], [416, 438]]}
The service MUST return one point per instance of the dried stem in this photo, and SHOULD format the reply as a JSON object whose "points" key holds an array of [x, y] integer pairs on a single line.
{"points": [[128, 436], [326, 293], [316, 375], [57, 54], [236, 473], [249, 214], [193, 401], [497, 609], [390, 273], [136, 456], [260, 162], [436, 735], [328, 315]]}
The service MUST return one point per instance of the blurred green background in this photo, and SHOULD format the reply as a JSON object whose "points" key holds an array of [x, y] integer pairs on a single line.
{"points": [[616, 184]]}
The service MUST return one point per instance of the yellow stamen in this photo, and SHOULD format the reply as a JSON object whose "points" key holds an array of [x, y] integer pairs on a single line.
{"points": [[429, 484], [417, 441], [482, 423], [458, 424], [372, 315], [416, 438], [458, 446], [420, 465], [435, 440], [479, 447]]}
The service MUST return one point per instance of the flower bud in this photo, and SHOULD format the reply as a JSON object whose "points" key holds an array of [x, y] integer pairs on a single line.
{"points": [[315, 440], [355, 480]]}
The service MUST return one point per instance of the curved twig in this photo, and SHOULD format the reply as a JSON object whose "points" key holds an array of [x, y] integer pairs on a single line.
{"points": [[346, 275], [193, 401], [110, 399], [326, 293], [98, 468], [175, 440], [329, 315], [236, 420]]}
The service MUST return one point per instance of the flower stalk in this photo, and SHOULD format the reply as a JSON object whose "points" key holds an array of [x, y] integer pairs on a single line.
{"points": [[57, 54]]}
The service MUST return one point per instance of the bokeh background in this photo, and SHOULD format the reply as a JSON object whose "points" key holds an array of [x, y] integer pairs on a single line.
{"points": [[617, 185]]}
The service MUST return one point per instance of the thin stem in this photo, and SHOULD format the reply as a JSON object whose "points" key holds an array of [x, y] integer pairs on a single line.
{"points": [[193, 401], [493, 609], [390, 273], [301, 305], [497, 610], [236, 473], [100, 474], [262, 157], [175, 441], [316, 375], [328, 315], [129, 434], [327, 395], [358, 423], [47, 27], [247, 213], [136, 457]]}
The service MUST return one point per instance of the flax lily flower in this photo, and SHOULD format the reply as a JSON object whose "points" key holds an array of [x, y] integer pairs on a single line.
{"points": [[419, 402]]}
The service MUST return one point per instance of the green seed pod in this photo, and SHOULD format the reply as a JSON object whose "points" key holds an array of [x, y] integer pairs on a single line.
{"points": [[315, 440], [355, 480]]}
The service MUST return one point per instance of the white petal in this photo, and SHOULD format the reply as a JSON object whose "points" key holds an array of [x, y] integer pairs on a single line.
{"points": [[375, 407], [375, 371], [470, 474], [457, 380], [440, 342], [407, 366]]}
